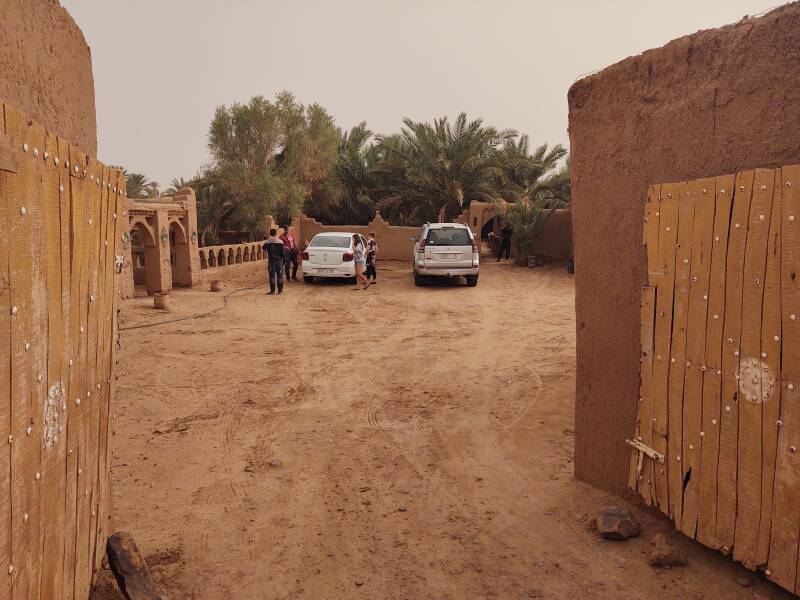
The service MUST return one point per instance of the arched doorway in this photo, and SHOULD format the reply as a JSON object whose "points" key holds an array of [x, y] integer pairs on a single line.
{"points": [[144, 258], [179, 255]]}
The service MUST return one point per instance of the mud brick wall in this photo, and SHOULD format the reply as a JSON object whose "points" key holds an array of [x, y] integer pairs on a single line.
{"points": [[712, 103], [46, 69]]}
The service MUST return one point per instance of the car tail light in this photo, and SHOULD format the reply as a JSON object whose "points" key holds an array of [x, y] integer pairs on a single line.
{"points": [[305, 256], [347, 256], [474, 247], [421, 245]]}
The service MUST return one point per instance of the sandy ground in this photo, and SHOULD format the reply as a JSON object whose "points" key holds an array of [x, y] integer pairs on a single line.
{"points": [[397, 442]]}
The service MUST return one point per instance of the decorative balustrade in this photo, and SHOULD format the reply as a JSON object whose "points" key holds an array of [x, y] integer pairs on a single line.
{"points": [[212, 257]]}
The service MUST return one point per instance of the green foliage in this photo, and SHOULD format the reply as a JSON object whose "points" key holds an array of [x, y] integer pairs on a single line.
{"points": [[267, 158], [527, 217], [139, 186], [432, 171], [279, 157]]}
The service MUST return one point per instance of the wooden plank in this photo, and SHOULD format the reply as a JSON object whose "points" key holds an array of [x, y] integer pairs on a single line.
{"points": [[74, 239], [687, 197], [39, 338], [77, 342], [648, 342], [81, 196], [53, 459], [9, 158], [97, 331], [106, 371], [668, 235], [5, 383], [24, 458], [695, 364], [729, 422], [748, 489], [641, 472], [712, 378], [786, 505], [652, 217], [770, 377]]}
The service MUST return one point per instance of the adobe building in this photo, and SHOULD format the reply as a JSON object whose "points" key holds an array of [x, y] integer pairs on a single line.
{"points": [[708, 104]]}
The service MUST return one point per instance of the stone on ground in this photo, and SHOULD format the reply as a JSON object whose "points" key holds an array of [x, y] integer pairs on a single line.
{"points": [[616, 523], [130, 569], [665, 554]]}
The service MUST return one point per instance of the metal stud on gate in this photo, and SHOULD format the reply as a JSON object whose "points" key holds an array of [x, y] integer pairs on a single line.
{"points": [[36, 152], [24, 147], [736, 226], [763, 188], [22, 210]]}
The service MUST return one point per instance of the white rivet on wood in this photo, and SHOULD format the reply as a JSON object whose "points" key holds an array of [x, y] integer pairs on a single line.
{"points": [[36, 152], [27, 346], [77, 401], [736, 226], [38, 476], [713, 421], [790, 386], [727, 409], [763, 188], [24, 147], [22, 210]]}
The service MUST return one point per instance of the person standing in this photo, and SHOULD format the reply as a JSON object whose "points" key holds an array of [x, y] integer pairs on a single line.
{"points": [[372, 254], [275, 258], [359, 260], [505, 241], [291, 253]]}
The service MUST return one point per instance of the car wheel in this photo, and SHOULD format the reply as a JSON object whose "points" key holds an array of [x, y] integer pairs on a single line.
{"points": [[419, 280], [308, 279], [472, 280]]}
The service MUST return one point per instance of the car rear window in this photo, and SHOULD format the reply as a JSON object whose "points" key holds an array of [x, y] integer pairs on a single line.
{"points": [[448, 237], [330, 241]]}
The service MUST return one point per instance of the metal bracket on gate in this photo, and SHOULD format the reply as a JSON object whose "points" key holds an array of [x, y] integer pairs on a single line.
{"points": [[642, 449]]}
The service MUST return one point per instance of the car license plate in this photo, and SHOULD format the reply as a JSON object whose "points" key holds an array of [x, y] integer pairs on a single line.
{"points": [[325, 270], [451, 256]]}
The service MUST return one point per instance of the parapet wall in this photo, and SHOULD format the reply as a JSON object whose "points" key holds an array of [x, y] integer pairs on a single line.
{"points": [[46, 69], [708, 104], [393, 240]]}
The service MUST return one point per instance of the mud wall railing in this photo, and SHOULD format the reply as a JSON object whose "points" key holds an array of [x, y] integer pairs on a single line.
{"points": [[717, 442], [213, 257], [58, 332]]}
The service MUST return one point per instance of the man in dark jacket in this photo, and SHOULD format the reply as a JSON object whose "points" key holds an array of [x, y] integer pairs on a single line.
{"points": [[275, 253], [505, 242]]}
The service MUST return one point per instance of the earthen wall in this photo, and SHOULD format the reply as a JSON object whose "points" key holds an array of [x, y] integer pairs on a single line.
{"points": [[712, 103], [46, 69]]}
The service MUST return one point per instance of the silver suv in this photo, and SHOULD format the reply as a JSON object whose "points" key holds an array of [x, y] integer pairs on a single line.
{"points": [[445, 250]]}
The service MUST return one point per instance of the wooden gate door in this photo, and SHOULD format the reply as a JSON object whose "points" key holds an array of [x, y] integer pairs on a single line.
{"points": [[718, 425]]}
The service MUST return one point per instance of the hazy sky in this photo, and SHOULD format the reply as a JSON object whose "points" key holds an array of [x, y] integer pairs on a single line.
{"points": [[162, 66]]}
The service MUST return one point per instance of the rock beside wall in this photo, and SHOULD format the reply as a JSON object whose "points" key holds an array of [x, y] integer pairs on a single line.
{"points": [[46, 69], [708, 104]]}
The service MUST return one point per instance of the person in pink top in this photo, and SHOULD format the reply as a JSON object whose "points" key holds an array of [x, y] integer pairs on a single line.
{"points": [[290, 254]]}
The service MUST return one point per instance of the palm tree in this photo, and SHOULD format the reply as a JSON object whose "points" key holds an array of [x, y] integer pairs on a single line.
{"points": [[139, 186], [356, 160], [176, 186], [525, 175], [436, 169], [527, 217]]}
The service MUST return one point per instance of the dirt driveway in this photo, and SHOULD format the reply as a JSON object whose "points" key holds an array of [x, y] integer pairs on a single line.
{"points": [[398, 442]]}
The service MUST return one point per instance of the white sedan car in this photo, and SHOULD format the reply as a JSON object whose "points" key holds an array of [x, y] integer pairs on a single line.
{"points": [[330, 255]]}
